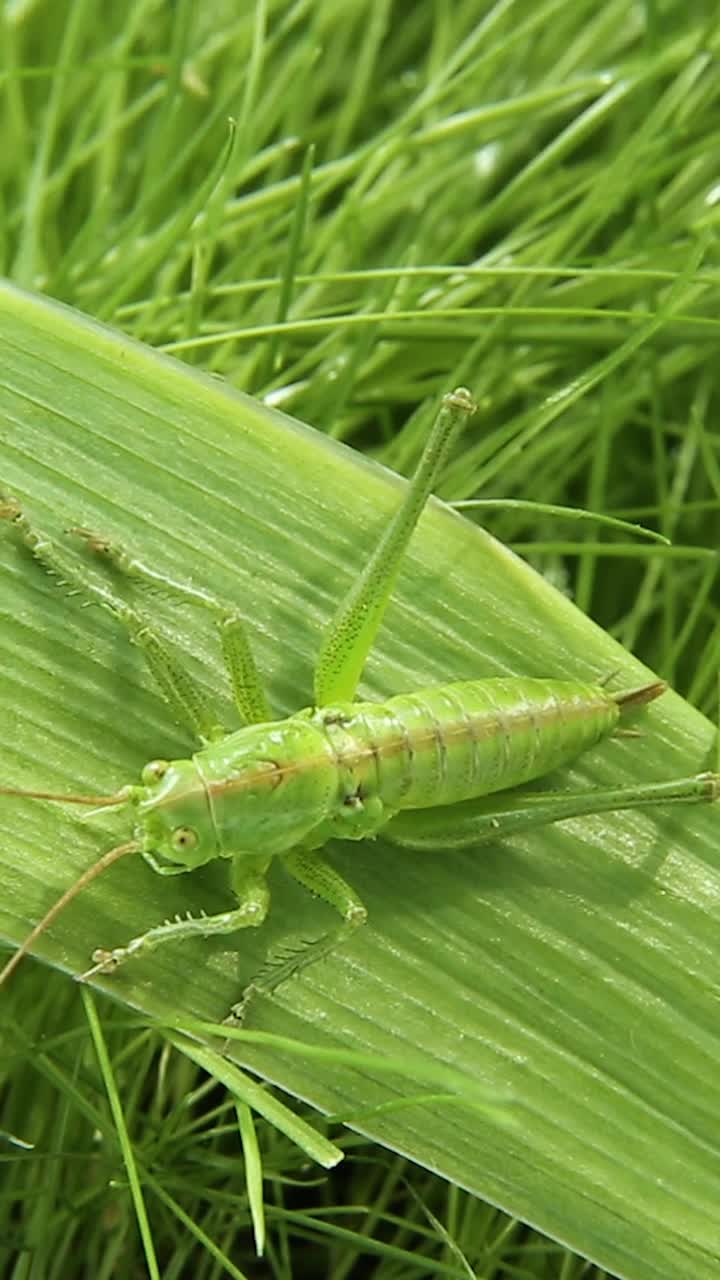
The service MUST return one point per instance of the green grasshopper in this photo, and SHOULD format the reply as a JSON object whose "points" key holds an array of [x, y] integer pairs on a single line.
{"points": [[424, 768]]}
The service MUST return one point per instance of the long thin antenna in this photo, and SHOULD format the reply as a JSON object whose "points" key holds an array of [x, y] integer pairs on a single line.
{"points": [[107, 859], [120, 797]]}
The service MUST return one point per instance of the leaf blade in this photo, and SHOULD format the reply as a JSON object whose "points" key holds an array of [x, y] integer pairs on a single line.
{"points": [[576, 966]]}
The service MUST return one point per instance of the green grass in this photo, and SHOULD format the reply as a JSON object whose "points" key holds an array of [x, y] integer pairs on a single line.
{"points": [[521, 198]]}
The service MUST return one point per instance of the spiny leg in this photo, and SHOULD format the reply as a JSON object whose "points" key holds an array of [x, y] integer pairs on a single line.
{"points": [[183, 695], [498, 817], [254, 899], [352, 631], [339, 666], [309, 868], [247, 686]]}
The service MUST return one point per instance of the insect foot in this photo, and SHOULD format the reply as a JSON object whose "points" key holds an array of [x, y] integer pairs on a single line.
{"points": [[293, 958], [9, 507], [104, 962]]}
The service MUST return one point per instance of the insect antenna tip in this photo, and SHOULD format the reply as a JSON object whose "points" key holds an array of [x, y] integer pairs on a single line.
{"points": [[96, 869]]}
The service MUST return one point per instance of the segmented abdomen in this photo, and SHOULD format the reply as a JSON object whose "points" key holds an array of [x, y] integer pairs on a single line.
{"points": [[458, 741]]}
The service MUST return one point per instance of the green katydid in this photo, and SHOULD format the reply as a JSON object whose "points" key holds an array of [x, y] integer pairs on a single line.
{"points": [[424, 769]]}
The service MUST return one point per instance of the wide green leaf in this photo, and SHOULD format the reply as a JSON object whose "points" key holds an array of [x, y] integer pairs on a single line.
{"points": [[576, 967]]}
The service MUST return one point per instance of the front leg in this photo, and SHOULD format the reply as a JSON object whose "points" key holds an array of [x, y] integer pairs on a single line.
{"points": [[183, 695], [250, 886], [247, 685]]}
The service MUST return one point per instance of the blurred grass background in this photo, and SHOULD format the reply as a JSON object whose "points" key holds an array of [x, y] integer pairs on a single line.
{"points": [[406, 195]]}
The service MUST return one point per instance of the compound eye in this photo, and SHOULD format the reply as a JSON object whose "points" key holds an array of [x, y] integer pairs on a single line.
{"points": [[184, 839], [154, 771]]}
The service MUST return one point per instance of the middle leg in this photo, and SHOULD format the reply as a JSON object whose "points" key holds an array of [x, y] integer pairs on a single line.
{"points": [[311, 870]]}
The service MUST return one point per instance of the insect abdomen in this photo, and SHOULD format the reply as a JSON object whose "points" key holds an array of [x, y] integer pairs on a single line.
{"points": [[458, 741]]}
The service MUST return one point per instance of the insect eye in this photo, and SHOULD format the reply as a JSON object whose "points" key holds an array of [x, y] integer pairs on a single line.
{"points": [[154, 771], [184, 838]]}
